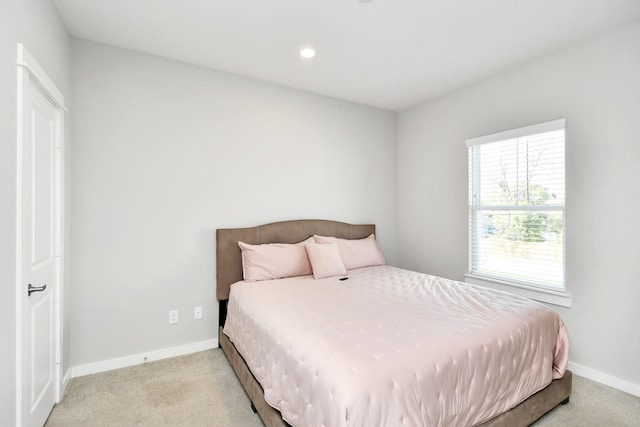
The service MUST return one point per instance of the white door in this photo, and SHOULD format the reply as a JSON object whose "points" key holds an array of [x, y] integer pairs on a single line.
{"points": [[38, 246]]}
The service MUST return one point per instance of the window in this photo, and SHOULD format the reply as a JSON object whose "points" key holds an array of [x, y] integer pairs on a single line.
{"points": [[517, 207]]}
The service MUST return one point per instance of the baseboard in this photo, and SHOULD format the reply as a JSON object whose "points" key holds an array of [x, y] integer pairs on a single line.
{"points": [[138, 359], [606, 379], [64, 385], [66, 379]]}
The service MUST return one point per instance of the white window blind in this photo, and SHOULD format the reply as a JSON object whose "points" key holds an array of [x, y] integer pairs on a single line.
{"points": [[517, 206]]}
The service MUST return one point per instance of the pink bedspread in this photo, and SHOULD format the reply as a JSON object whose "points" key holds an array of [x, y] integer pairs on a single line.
{"points": [[393, 347]]}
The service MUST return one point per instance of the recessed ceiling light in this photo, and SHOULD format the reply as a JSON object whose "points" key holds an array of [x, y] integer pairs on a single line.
{"points": [[307, 52]]}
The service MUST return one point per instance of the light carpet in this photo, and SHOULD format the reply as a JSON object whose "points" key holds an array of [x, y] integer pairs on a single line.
{"points": [[201, 389]]}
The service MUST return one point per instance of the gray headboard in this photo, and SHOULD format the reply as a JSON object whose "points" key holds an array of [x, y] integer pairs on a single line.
{"points": [[229, 256]]}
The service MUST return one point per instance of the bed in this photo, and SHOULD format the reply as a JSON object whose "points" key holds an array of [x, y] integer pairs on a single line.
{"points": [[315, 407]]}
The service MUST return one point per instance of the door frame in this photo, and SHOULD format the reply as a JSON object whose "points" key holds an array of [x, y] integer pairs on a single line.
{"points": [[30, 72]]}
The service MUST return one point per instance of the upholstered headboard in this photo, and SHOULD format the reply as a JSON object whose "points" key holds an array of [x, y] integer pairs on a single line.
{"points": [[229, 256]]}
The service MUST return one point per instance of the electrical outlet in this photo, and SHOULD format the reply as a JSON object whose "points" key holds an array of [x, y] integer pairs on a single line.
{"points": [[173, 316], [197, 313]]}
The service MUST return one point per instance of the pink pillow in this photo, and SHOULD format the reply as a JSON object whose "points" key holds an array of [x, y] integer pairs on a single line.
{"points": [[325, 260], [274, 261], [356, 253]]}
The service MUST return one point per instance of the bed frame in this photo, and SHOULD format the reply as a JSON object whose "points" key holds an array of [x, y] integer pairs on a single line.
{"points": [[229, 271]]}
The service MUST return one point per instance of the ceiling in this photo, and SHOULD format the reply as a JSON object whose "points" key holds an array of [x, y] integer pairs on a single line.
{"points": [[391, 54]]}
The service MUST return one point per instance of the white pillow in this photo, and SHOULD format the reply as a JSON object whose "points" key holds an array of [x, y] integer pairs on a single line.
{"points": [[274, 260], [325, 260], [356, 253]]}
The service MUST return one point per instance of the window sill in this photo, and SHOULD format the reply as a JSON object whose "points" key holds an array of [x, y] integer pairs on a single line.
{"points": [[549, 296]]}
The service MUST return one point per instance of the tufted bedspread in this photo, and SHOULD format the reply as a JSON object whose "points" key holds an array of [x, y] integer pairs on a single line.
{"points": [[393, 347]]}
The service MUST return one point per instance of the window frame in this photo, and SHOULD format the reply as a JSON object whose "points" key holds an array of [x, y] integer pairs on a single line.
{"points": [[540, 292]]}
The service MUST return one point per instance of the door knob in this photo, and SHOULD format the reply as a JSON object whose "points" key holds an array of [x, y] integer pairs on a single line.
{"points": [[36, 288]]}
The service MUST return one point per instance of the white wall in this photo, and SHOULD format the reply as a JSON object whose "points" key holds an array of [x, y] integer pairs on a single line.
{"points": [[596, 86], [36, 24], [165, 152]]}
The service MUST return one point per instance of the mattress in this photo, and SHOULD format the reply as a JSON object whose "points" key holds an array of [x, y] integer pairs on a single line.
{"points": [[393, 347]]}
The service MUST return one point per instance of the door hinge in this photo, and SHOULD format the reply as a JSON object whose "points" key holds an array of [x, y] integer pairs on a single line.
{"points": [[57, 357], [58, 250], [58, 141]]}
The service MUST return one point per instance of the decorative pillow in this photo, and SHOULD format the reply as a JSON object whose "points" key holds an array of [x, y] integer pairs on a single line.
{"points": [[274, 260], [356, 253], [325, 260]]}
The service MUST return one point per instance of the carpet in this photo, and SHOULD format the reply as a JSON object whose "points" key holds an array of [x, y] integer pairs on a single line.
{"points": [[198, 389]]}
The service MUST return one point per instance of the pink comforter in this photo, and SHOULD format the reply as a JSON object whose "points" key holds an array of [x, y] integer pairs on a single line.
{"points": [[393, 347]]}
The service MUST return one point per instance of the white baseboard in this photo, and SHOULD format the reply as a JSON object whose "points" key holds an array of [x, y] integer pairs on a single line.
{"points": [[66, 379], [138, 359], [606, 379]]}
